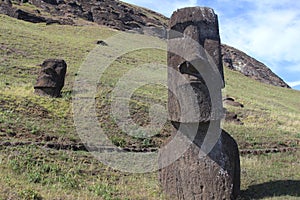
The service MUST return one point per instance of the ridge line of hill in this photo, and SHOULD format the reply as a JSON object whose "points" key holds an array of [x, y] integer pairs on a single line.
{"points": [[123, 16]]}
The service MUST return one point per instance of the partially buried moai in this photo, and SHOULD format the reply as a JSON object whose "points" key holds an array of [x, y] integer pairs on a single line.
{"points": [[210, 167], [51, 78]]}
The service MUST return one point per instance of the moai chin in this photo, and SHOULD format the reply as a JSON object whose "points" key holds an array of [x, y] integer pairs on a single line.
{"points": [[194, 52]]}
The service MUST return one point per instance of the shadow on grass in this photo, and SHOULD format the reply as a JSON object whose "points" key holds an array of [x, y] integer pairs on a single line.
{"points": [[272, 189]]}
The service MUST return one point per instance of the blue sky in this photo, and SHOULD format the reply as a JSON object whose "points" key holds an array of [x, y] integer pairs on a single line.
{"points": [[268, 30]]}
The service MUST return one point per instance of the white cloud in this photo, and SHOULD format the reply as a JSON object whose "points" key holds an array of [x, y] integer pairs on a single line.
{"points": [[294, 84], [268, 30]]}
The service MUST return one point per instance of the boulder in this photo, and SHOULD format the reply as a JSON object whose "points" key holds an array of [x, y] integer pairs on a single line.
{"points": [[51, 78], [102, 43], [232, 102], [232, 117], [29, 17], [113, 13]]}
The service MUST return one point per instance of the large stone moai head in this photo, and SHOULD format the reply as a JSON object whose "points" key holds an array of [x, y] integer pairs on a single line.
{"points": [[194, 51], [209, 168], [51, 78]]}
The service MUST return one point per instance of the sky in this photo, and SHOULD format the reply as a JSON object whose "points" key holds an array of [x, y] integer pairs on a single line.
{"points": [[268, 30]]}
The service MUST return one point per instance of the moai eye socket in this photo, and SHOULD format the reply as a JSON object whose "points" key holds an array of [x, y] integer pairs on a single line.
{"points": [[187, 68]]}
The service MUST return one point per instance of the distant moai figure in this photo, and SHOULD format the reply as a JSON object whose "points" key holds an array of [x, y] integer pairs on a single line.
{"points": [[210, 167], [51, 78]]}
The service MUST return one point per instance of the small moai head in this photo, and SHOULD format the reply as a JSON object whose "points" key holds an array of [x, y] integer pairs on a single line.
{"points": [[51, 78], [194, 51]]}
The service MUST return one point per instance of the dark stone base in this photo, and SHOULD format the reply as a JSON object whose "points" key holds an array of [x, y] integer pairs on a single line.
{"points": [[214, 176]]}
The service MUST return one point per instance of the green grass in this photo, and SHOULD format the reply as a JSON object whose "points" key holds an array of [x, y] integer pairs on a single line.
{"points": [[271, 119], [34, 171], [271, 176], [271, 114]]}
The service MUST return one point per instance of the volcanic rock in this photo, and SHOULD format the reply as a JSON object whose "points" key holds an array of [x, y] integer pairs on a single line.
{"points": [[239, 61], [51, 78], [198, 176], [112, 13], [209, 166], [230, 101]]}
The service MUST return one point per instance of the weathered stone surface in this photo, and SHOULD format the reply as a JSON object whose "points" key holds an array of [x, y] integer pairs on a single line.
{"points": [[29, 17], [204, 177], [230, 101], [210, 167], [6, 8], [201, 24], [112, 13], [232, 117], [237, 60], [191, 102], [194, 31], [51, 78]]}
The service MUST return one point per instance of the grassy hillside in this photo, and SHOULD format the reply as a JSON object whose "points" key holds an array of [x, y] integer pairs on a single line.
{"points": [[28, 123]]}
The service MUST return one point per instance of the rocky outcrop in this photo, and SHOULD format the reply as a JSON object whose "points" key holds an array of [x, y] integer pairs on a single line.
{"points": [[237, 60], [34, 16], [112, 13], [29, 17], [51, 78], [123, 16], [6, 8]]}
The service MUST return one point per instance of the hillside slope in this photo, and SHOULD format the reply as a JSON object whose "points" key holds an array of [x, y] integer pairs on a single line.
{"points": [[112, 13], [237, 60], [122, 16], [42, 156]]}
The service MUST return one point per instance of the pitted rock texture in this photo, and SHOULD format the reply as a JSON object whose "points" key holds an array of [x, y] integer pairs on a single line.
{"points": [[196, 113], [6, 8], [51, 78], [237, 60], [200, 24], [193, 32], [34, 16], [112, 13], [204, 177]]}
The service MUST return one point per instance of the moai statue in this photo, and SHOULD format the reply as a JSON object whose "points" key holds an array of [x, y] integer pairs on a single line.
{"points": [[51, 78], [210, 167]]}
